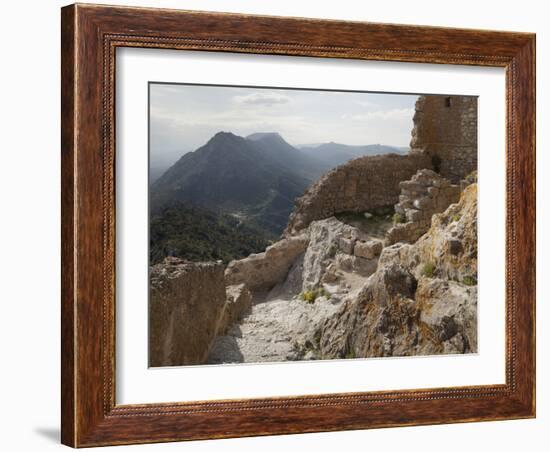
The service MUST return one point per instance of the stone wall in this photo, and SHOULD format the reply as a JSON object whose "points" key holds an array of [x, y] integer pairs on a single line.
{"points": [[360, 185], [186, 308], [445, 128], [425, 194]]}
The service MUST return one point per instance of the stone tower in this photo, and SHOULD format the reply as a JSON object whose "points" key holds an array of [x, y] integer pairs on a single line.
{"points": [[445, 128]]}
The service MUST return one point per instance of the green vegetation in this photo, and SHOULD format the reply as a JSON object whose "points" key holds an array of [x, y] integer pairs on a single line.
{"points": [[398, 218], [469, 281], [197, 234], [428, 270], [456, 217], [309, 296]]}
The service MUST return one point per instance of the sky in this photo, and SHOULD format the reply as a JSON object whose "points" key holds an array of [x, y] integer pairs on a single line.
{"points": [[185, 117]]}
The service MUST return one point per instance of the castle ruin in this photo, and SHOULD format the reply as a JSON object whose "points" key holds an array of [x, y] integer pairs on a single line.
{"points": [[444, 139]]}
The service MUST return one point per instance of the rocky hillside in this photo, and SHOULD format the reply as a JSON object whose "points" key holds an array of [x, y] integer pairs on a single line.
{"points": [[421, 300], [345, 295]]}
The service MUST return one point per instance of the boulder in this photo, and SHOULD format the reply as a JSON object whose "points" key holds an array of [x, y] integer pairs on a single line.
{"points": [[368, 250], [261, 272]]}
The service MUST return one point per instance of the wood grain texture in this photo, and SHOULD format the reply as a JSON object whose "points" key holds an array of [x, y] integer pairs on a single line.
{"points": [[90, 36]]}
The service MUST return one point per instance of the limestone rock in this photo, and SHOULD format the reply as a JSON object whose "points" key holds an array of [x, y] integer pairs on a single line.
{"points": [[264, 270], [238, 303], [330, 250], [368, 250], [409, 308]]}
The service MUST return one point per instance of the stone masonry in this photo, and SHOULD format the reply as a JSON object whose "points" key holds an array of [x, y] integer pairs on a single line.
{"points": [[186, 307], [360, 185], [445, 128], [425, 194]]}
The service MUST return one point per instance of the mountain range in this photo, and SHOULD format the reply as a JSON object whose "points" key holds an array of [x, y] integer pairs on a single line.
{"points": [[254, 180]]}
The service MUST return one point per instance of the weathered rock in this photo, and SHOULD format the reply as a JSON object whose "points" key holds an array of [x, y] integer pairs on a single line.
{"points": [[186, 306], [356, 264], [238, 303], [368, 250], [264, 270], [330, 250], [450, 244], [449, 309], [409, 308], [425, 194], [346, 245]]}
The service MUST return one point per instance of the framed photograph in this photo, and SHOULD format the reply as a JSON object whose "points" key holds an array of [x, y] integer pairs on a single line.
{"points": [[281, 225]]}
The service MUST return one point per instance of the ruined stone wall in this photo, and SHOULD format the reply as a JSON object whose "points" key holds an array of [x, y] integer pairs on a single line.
{"points": [[186, 308], [445, 127], [360, 185], [425, 194]]}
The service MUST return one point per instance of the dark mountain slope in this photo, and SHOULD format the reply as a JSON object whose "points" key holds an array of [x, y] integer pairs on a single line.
{"points": [[230, 174], [272, 146]]}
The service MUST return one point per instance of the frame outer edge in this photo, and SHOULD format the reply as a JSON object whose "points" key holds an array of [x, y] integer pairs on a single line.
{"points": [[68, 230], [525, 61], [86, 420]]}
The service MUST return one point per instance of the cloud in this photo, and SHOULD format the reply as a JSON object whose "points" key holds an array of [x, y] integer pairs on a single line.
{"points": [[268, 99], [367, 104], [395, 114]]}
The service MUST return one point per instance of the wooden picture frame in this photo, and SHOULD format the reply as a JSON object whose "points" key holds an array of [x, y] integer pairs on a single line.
{"points": [[90, 36]]}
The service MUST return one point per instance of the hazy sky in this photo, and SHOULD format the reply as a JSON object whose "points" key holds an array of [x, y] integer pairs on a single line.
{"points": [[185, 117]]}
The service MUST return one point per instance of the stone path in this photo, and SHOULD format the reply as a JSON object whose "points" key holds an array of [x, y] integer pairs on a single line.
{"points": [[276, 329], [273, 331]]}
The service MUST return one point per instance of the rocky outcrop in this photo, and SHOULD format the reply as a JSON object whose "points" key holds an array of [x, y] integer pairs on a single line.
{"points": [[360, 185], [187, 301], [421, 300], [262, 271], [445, 128], [449, 249], [335, 247], [425, 194], [237, 305]]}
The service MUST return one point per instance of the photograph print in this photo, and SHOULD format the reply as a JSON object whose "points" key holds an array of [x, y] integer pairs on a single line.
{"points": [[294, 224]]}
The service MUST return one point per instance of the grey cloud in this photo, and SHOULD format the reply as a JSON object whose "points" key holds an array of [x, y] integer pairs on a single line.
{"points": [[258, 98]]}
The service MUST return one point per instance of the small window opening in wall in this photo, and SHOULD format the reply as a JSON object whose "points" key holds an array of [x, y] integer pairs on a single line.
{"points": [[448, 102]]}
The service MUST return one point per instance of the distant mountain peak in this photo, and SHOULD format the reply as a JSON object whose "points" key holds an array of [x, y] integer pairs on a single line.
{"points": [[262, 135], [223, 136]]}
